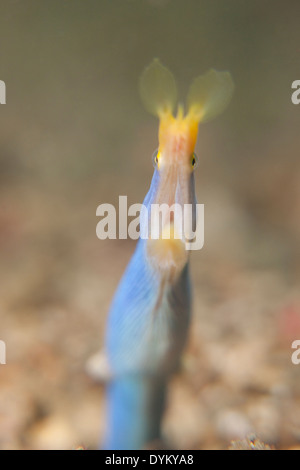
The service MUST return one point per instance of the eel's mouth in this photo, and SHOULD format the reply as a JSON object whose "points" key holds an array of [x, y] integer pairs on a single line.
{"points": [[171, 218]]}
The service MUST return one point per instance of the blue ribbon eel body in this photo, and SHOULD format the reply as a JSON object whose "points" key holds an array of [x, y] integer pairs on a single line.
{"points": [[149, 318]]}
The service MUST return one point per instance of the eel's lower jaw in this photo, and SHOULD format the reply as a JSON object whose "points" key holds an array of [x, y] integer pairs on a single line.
{"points": [[167, 254]]}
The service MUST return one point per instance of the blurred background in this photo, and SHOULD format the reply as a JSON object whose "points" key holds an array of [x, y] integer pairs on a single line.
{"points": [[73, 135]]}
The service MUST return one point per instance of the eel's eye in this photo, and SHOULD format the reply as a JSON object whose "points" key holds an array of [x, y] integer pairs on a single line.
{"points": [[194, 161], [155, 158]]}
